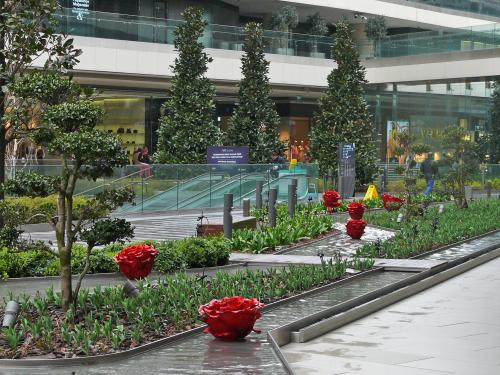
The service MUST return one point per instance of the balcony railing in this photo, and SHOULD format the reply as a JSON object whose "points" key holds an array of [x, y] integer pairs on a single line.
{"points": [[157, 30]]}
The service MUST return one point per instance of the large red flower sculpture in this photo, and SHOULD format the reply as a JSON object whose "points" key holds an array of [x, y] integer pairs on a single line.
{"points": [[136, 261], [231, 318], [331, 199], [392, 203], [356, 210], [355, 228]]}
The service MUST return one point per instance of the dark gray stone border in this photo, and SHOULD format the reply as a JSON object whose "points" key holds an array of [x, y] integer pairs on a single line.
{"points": [[118, 276]]}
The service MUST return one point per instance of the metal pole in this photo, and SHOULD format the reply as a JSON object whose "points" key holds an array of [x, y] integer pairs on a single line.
{"points": [[273, 195], [291, 199], [295, 183], [246, 207], [228, 218], [258, 194]]}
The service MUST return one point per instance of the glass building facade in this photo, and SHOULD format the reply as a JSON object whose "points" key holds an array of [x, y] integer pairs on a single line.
{"points": [[425, 109]]}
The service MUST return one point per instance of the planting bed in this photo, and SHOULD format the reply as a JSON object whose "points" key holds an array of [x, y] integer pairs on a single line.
{"points": [[432, 230], [106, 321]]}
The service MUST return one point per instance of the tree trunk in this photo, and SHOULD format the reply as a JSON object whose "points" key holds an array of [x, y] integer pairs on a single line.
{"points": [[3, 143], [66, 287]]}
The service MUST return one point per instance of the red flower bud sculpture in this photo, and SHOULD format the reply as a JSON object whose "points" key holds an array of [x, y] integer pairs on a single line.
{"points": [[356, 210], [136, 261], [392, 203], [355, 228], [231, 318], [331, 199]]}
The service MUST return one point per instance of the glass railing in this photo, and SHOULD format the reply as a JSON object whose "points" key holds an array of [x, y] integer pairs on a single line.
{"points": [[485, 7], [171, 187], [157, 30], [431, 42]]}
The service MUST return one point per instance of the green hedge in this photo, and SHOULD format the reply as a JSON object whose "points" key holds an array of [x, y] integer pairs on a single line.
{"points": [[172, 256], [20, 210]]}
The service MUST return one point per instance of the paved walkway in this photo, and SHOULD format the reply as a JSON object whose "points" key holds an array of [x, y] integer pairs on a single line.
{"points": [[452, 328], [147, 227]]}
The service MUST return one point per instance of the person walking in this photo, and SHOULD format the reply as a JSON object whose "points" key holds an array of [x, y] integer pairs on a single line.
{"points": [[144, 161], [429, 169]]}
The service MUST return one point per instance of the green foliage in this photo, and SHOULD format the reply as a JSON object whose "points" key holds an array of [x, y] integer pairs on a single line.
{"points": [[187, 127], [376, 28], [285, 19], [316, 25], [107, 231], [25, 210], [462, 160], [191, 253], [255, 121], [101, 260], [494, 127], [308, 222], [106, 318], [343, 113], [31, 185], [432, 230]]}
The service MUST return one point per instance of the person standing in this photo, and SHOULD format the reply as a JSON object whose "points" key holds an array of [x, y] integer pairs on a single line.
{"points": [[144, 160], [429, 169]]}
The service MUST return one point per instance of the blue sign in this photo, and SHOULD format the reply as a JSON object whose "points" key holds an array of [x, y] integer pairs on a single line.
{"points": [[227, 155]]}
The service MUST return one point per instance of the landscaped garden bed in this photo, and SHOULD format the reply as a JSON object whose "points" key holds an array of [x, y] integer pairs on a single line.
{"points": [[107, 320], [172, 256], [432, 230]]}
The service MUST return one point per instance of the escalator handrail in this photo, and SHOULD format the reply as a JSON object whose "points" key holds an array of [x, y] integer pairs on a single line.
{"points": [[112, 182]]}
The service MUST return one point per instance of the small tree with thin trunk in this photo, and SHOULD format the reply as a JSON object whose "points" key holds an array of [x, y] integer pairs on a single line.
{"points": [[67, 128], [376, 31], [28, 34], [462, 159], [255, 121], [343, 114], [188, 126]]}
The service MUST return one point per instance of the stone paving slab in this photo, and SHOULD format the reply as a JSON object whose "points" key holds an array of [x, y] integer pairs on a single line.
{"points": [[406, 264], [451, 328], [147, 227]]}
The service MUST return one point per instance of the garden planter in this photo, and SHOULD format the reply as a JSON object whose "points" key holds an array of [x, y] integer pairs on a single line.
{"points": [[392, 203], [231, 318], [356, 228], [356, 210], [136, 262], [331, 200]]}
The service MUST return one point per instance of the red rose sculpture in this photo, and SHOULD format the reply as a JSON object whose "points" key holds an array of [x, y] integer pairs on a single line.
{"points": [[231, 318], [392, 203], [331, 199], [356, 210], [355, 228], [136, 261]]}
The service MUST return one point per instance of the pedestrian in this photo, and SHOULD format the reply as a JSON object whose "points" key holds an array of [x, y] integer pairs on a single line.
{"points": [[277, 160], [144, 160], [429, 169]]}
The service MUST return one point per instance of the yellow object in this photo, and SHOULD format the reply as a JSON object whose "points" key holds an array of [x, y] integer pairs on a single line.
{"points": [[371, 193], [293, 164]]}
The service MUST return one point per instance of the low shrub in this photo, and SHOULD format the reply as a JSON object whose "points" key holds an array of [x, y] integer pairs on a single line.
{"points": [[25, 210]]}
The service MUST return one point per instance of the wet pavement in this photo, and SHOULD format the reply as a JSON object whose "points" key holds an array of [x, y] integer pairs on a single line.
{"points": [[452, 328]]}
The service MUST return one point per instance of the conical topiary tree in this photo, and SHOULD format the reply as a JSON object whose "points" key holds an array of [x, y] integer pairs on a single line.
{"points": [[188, 125], [343, 114], [255, 121]]}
